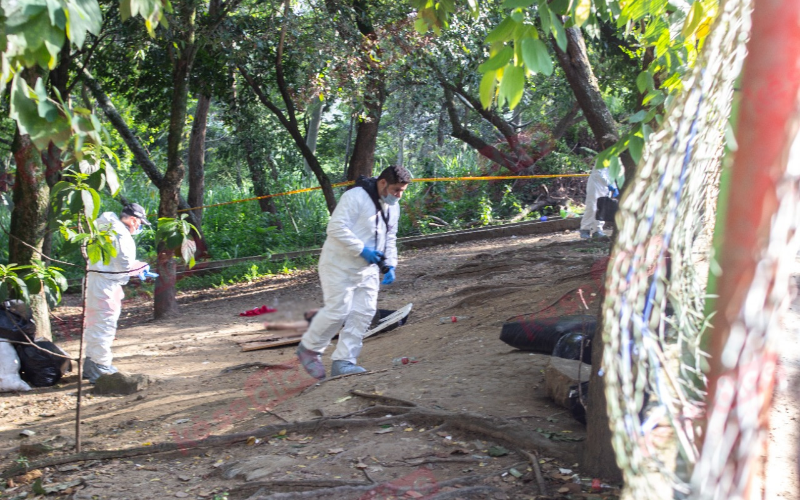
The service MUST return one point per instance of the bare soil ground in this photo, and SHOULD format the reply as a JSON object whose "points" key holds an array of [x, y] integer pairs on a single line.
{"points": [[466, 401]]}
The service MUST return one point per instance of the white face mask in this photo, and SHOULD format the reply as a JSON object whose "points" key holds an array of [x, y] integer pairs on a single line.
{"points": [[138, 230], [390, 200]]}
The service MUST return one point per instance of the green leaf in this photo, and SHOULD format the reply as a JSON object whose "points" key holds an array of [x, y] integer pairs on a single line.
{"points": [[645, 82], [637, 117], [498, 60], [502, 32], [615, 170], [96, 180], [94, 252], [560, 7], [693, 19], [518, 4], [188, 248], [558, 31], [488, 85], [512, 85], [635, 146], [536, 56], [582, 10], [112, 180], [654, 98], [544, 16], [46, 108], [34, 284]]}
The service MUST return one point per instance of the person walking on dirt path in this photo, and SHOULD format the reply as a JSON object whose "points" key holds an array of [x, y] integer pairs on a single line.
{"points": [[597, 185], [362, 241], [104, 288]]}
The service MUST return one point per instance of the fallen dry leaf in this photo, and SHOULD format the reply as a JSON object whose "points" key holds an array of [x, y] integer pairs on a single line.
{"points": [[335, 451]]}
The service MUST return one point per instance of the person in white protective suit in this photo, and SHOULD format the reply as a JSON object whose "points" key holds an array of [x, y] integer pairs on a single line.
{"points": [[361, 242], [597, 185], [104, 288]]}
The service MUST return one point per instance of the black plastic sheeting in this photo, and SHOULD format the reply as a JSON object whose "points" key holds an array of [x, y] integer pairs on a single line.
{"points": [[15, 321], [569, 346], [40, 368], [542, 335]]}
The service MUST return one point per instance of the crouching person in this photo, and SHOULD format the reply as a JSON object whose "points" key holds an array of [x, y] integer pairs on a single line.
{"points": [[361, 243], [104, 288]]}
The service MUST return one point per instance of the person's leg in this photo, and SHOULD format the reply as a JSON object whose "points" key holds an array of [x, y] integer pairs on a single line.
{"points": [[588, 222], [348, 348], [103, 307], [337, 291]]}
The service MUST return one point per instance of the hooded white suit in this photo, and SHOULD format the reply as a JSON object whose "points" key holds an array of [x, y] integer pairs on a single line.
{"points": [[104, 291], [596, 187], [349, 283]]}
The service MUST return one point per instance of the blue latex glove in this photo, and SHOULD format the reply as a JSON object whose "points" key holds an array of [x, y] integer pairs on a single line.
{"points": [[371, 255], [613, 191], [388, 278], [145, 273]]}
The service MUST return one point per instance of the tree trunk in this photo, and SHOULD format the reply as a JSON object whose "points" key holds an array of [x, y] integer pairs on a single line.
{"points": [[29, 216], [598, 459], [164, 300], [575, 63], [363, 159], [197, 156], [313, 129]]}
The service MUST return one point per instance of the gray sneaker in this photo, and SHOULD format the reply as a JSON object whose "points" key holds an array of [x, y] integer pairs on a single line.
{"points": [[311, 361], [585, 234], [342, 367], [92, 370], [599, 234]]}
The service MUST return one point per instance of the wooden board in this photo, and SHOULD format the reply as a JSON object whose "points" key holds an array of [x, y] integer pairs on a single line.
{"points": [[257, 346]]}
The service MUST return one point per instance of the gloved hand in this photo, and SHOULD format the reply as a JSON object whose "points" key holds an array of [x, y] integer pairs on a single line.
{"points": [[388, 278], [613, 191], [147, 274], [371, 255]]}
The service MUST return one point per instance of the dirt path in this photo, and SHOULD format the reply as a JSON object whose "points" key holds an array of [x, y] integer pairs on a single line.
{"points": [[462, 369]]}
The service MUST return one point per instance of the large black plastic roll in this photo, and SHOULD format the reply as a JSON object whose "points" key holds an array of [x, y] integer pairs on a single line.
{"points": [[542, 334]]}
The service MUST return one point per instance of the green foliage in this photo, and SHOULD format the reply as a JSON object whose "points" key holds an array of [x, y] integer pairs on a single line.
{"points": [[176, 235], [11, 283], [48, 280], [246, 272]]}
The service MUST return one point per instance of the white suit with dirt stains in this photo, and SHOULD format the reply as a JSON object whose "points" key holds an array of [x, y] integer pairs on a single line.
{"points": [[349, 284], [596, 187], [104, 291]]}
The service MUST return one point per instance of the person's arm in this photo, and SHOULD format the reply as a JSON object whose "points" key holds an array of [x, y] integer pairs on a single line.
{"points": [[344, 217], [391, 237], [126, 255]]}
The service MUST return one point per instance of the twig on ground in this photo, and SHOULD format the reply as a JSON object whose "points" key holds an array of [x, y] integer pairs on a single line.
{"points": [[366, 474], [537, 471], [338, 377], [291, 485], [258, 364], [380, 397], [270, 412]]}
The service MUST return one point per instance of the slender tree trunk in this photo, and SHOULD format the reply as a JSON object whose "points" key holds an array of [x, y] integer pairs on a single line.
{"points": [[29, 216], [197, 156], [363, 159], [575, 63], [164, 300], [599, 458], [313, 129]]}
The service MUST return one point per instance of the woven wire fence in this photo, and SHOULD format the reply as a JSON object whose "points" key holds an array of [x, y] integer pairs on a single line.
{"points": [[656, 284]]}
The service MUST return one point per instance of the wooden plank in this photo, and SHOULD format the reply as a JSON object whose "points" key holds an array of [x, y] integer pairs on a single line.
{"points": [[257, 346]]}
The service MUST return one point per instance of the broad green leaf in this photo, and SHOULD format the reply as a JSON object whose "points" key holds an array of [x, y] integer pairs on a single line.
{"points": [[488, 85], [498, 60], [693, 20], [654, 98], [84, 15], [644, 82], [544, 16], [94, 253], [502, 32], [517, 4], [34, 284], [635, 146], [188, 248], [637, 117], [512, 85], [96, 181], [536, 56], [560, 7], [582, 10], [558, 31], [615, 169], [46, 108], [112, 180]]}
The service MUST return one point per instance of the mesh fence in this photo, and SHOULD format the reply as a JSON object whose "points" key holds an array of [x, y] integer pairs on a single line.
{"points": [[656, 284]]}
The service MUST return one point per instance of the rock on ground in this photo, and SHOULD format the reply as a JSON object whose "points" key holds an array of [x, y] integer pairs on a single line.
{"points": [[121, 383]]}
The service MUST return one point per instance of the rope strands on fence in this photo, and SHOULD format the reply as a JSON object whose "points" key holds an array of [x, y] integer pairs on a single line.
{"points": [[426, 179], [668, 209]]}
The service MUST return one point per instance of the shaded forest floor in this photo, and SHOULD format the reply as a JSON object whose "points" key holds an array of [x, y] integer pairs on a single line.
{"points": [[468, 397]]}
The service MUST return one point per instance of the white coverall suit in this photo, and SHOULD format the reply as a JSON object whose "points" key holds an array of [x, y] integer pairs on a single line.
{"points": [[349, 283], [596, 187], [104, 291]]}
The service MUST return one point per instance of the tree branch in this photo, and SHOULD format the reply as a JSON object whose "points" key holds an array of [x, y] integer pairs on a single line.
{"points": [[281, 81]]}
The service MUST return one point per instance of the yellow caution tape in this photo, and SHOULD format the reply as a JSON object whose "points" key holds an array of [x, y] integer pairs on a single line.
{"points": [[426, 179]]}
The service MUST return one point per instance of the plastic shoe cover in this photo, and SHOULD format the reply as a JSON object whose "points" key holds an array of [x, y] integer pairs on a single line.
{"points": [[311, 361], [585, 233], [342, 367], [599, 234], [92, 370]]}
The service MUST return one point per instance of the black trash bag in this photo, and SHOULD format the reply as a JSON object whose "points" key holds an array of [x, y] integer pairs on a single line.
{"points": [[569, 346], [606, 209], [16, 322], [541, 335], [41, 368], [577, 406]]}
